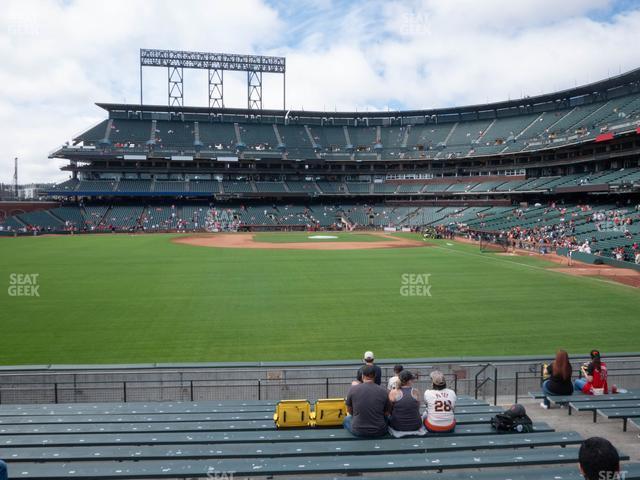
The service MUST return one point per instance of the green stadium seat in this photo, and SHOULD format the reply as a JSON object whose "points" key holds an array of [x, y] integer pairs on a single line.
{"points": [[304, 465], [289, 449]]}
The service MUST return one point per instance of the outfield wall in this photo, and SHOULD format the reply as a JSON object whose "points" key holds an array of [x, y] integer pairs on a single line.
{"points": [[484, 377]]}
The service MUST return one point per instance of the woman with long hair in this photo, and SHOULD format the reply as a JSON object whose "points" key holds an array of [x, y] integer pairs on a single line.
{"points": [[559, 382]]}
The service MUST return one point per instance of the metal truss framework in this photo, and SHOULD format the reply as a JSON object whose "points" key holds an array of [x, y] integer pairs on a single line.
{"points": [[176, 86], [216, 64], [216, 88], [254, 90]]}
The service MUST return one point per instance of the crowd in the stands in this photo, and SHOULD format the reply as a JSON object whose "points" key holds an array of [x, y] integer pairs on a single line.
{"points": [[547, 237], [375, 411]]}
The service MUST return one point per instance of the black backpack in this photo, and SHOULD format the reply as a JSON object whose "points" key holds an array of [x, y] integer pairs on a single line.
{"points": [[514, 420]]}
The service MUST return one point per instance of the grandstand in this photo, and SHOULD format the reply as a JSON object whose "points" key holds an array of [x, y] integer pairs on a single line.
{"points": [[575, 147], [552, 173]]}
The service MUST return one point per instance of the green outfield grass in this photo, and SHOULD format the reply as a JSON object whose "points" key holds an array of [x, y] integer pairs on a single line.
{"points": [[298, 237], [126, 299]]}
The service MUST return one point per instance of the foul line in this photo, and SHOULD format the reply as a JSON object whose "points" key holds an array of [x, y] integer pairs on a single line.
{"points": [[544, 269]]}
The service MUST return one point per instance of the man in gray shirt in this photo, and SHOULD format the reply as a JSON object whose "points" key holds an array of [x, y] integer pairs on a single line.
{"points": [[368, 405]]}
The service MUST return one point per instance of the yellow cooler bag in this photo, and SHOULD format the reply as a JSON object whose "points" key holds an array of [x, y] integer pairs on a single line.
{"points": [[292, 414], [329, 412]]}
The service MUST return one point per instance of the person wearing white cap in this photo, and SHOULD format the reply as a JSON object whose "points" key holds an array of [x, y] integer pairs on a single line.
{"points": [[368, 360], [441, 403]]}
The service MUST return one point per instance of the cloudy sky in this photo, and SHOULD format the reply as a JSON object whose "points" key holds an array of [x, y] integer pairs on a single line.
{"points": [[59, 57]]}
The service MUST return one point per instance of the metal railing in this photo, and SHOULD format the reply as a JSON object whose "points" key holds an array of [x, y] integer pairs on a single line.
{"points": [[182, 390], [478, 385], [276, 382]]}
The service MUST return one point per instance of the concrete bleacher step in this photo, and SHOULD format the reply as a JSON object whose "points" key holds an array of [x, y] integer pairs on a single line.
{"points": [[251, 466], [215, 415], [632, 472], [581, 397], [167, 407], [219, 424], [186, 438], [595, 405], [623, 414], [341, 447]]}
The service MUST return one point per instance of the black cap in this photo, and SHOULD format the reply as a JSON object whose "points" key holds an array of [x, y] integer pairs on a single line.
{"points": [[517, 410], [595, 354], [369, 371]]}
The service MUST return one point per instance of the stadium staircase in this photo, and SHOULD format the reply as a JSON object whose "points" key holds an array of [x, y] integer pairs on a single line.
{"points": [[450, 134], [276, 132], [236, 128], [312, 140], [209, 439], [107, 132], [152, 133], [484, 133], [196, 133]]}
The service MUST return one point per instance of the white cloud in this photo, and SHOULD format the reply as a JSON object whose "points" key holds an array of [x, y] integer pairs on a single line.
{"points": [[60, 58]]}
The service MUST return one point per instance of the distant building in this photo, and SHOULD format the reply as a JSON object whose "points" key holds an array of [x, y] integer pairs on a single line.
{"points": [[33, 191], [6, 192]]}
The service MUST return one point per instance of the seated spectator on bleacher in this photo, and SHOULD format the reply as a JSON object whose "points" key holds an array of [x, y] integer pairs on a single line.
{"points": [[394, 382], [405, 416], [441, 403], [3, 471], [599, 459], [595, 376], [559, 381], [368, 362], [367, 406]]}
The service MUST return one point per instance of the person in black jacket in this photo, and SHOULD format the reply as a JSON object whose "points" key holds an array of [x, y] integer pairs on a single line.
{"points": [[368, 361], [559, 381]]}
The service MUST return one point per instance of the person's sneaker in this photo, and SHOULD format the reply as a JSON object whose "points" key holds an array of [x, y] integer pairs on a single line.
{"points": [[544, 405]]}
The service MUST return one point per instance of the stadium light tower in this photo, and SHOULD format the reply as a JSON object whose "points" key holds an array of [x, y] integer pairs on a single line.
{"points": [[215, 63], [15, 178]]}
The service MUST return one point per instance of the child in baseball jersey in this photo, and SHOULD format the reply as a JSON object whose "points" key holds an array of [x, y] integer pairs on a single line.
{"points": [[441, 402]]}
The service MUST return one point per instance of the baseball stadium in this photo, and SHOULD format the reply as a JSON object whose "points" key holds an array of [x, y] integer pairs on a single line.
{"points": [[205, 271]]}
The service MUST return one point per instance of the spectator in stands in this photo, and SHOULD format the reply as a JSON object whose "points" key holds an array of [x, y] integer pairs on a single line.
{"points": [[441, 404], [595, 376], [3, 471], [638, 258], [367, 406], [368, 362], [405, 416], [559, 381], [394, 382], [599, 459]]}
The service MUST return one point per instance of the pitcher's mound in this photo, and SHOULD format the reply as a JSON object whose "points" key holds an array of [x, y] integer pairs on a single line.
{"points": [[246, 240]]}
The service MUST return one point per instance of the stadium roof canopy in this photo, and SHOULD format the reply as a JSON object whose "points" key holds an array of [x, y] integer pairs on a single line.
{"points": [[597, 91]]}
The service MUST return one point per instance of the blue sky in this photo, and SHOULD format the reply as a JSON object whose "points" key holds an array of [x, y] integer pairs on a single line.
{"points": [[61, 57]]}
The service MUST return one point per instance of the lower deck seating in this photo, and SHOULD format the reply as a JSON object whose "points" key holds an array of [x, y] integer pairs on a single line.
{"points": [[196, 440], [623, 406]]}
